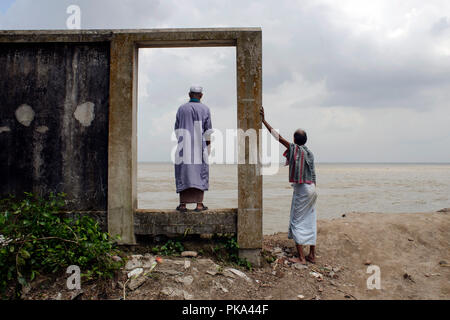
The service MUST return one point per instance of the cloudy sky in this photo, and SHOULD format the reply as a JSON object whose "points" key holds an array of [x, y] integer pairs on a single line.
{"points": [[368, 80]]}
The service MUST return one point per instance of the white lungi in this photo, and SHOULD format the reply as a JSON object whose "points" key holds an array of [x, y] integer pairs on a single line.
{"points": [[302, 224]]}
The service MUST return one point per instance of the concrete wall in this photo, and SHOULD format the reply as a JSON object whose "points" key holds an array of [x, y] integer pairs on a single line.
{"points": [[54, 121], [47, 94]]}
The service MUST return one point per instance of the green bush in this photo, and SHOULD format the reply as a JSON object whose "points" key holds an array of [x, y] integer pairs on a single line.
{"points": [[170, 248], [227, 249], [35, 239]]}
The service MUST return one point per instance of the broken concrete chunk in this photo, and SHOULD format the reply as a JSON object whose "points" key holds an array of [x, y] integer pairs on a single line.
{"points": [[136, 272], [136, 282], [336, 269], [116, 258], [219, 286], [228, 274], [187, 296], [148, 262], [134, 262], [172, 292], [187, 280], [205, 262], [317, 275], [239, 274], [189, 254], [277, 250], [300, 266]]}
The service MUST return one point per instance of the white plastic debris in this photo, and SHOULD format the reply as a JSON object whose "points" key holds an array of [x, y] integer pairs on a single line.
{"points": [[136, 272]]}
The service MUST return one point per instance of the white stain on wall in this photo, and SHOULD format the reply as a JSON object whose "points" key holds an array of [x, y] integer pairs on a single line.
{"points": [[42, 129], [25, 115], [4, 129], [85, 114]]}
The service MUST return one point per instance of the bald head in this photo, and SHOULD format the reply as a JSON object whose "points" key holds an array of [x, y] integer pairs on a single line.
{"points": [[300, 137]]}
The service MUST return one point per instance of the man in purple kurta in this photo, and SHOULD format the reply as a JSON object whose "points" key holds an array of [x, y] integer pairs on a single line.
{"points": [[192, 128]]}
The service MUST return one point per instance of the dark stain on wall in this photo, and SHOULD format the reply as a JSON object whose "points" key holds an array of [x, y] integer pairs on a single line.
{"points": [[54, 121]]}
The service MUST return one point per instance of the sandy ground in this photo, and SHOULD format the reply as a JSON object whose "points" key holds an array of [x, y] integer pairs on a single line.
{"points": [[411, 251]]}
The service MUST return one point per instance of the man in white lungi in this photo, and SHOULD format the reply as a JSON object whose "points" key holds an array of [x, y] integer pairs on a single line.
{"points": [[302, 224]]}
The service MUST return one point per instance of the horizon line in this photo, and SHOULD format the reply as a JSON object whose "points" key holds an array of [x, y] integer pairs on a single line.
{"points": [[326, 162]]}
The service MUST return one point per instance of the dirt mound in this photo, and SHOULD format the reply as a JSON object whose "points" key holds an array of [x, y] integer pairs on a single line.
{"points": [[411, 252]]}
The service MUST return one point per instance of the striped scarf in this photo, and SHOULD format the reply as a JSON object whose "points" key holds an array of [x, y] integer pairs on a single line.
{"points": [[301, 164]]}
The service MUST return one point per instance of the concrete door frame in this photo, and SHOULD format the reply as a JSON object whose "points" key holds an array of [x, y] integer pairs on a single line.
{"points": [[122, 140], [122, 181]]}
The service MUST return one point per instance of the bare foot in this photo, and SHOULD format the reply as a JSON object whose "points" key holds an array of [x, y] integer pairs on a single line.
{"points": [[200, 207], [297, 260], [310, 258]]}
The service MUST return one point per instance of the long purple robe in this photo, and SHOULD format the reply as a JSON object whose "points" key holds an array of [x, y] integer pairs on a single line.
{"points": [[191, 168]]}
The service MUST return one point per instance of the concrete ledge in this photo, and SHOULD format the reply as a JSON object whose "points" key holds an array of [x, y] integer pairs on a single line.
{"points": [[216, 36], [171, 222]]}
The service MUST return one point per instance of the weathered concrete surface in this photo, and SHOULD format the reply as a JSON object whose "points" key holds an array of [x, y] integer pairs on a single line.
{"points": [[143, 37], [122, 166], [44, 147], [252, 255], [122, 162], [249, 95], [170, 222]]}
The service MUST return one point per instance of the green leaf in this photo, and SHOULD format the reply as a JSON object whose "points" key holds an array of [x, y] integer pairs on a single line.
{"points": [[25, 254], [22, 281], [37, 218], [20, 261]]}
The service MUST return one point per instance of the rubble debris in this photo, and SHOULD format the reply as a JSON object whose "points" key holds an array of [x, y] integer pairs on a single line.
{"points": [[187, 280], [192, 254], [317, 275], [134, 273], [239, 274], [136, 282]]}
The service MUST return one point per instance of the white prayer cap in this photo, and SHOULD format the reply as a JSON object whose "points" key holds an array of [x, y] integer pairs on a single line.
{"points": [[196, 89]]}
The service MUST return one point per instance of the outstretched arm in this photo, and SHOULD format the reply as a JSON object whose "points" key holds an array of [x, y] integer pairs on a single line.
{"points": [[275, 134]]}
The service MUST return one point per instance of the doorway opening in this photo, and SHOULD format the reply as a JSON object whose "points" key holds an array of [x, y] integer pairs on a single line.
{"points": [[164, 78]]}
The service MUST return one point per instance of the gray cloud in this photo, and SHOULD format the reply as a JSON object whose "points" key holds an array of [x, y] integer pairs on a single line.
{"points": [[443, 24], [344, 71]]}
